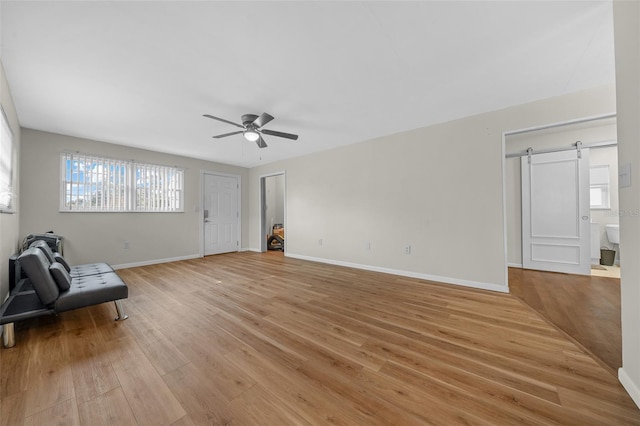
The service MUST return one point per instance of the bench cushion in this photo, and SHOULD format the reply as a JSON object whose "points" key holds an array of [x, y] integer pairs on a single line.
{"points": [[92, 290], [90, 269]]}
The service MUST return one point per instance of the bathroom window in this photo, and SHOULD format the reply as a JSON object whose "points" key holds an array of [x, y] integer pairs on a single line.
{"points": [[599, 187]]}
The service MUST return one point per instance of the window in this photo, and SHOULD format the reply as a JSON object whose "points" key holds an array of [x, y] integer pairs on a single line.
{"points": [[6, 165], [97, 184], [599, 187], [158, 188]]}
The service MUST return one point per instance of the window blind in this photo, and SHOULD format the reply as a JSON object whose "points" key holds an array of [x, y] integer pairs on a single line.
{"points": [[97, 184], [6, 165]]}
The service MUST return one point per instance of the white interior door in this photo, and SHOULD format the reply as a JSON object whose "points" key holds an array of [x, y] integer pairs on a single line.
{"points": [[555, 212], [221, 214]]}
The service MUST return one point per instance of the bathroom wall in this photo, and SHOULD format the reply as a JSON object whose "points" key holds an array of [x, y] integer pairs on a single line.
{"points": [[566, 136], [602, 157], [274, 197]]}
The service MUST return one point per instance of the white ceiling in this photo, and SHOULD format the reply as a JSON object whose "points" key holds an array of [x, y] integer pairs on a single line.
{"points": [[143, 73]]}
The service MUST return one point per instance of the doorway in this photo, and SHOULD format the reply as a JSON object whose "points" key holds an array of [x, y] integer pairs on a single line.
{"points": [[586, 307], [273, 213], [599, 135], [605, 216], [220, 213]]}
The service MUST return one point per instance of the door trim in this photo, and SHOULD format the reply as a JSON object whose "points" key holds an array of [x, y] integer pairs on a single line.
{"points": [[262, 203], [200, 208]]}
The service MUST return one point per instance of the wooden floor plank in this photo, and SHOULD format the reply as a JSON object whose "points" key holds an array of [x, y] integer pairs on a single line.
{"points": [[110, 408], [202, 398], [93, 374], [151, 400], [63, 413], [585, 307], [50, 374], [256, 407], [12, 409], [262, 339]]}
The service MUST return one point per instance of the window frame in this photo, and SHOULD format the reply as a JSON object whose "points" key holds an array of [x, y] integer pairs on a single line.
{"points": [[6, 165], [162, 174], [114, 185], [603, 185]]}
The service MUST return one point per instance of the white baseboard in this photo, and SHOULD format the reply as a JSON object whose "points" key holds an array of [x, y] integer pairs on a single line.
{"points": [[410, 274], [167, 260], [632, 388], [514, 265], [155, 261]]}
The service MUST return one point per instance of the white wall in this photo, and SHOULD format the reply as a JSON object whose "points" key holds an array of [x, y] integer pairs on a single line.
{"points": [[9, 223], [274, 200], [91, 237], [560, 137], [626, 18], [438, 189]]}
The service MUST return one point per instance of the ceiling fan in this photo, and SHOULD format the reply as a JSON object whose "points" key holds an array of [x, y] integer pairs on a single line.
{"points": [[252, 128]]}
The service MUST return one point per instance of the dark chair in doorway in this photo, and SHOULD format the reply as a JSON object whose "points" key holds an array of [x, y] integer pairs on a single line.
{"points": [[275, 241]]}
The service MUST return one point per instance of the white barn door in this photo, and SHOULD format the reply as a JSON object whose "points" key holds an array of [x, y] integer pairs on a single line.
{"points": [[221, 213], [555, 212]]}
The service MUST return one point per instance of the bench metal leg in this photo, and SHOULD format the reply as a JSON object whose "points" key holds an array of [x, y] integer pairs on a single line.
{"points": [[121, 315], [8, 336]]}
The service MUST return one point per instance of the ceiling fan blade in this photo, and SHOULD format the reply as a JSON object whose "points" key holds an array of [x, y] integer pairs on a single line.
{"points": [[223, 120], [263, 119], [279, 134], [261, 143], [228, 134]]}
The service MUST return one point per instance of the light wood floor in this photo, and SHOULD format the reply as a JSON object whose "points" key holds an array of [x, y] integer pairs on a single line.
{"points": [[249, 339], [587, 308], [612, 271]]}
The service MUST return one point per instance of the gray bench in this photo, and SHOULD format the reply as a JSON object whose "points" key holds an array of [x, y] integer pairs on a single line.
{"points": [[45, 287]]}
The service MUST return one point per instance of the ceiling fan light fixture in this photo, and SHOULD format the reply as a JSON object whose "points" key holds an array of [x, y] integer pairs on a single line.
{"points": [[252, 128], [251, 135]]}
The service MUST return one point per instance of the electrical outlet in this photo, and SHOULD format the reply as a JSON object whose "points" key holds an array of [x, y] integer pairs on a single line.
{"points": [[407, 249], [320, 242], [367, 245], [126, 245]]}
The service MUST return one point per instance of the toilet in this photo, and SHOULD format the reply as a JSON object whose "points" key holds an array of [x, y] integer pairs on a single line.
{"points": [[613, 233]]}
